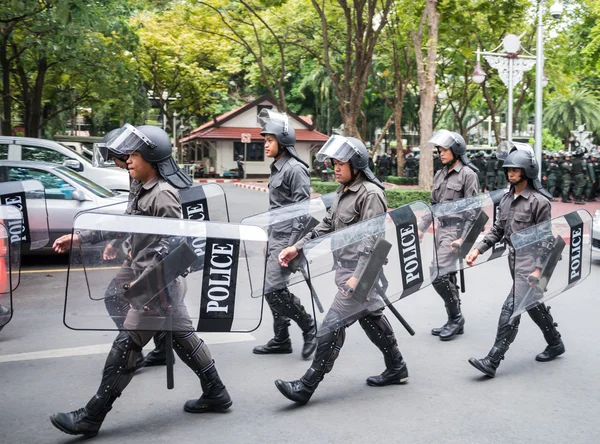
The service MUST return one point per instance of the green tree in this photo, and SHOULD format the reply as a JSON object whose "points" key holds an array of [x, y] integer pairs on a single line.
{"points": [[549, 142], [566, 111]]}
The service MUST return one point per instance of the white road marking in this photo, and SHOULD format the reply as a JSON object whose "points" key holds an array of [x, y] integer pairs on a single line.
{"points": [[210, 338]]}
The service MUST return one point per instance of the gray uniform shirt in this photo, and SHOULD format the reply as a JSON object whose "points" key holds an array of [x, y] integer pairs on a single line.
{"points": [[289, 182], [516, 213], [156, 198], [460, 182], [363, 200]]}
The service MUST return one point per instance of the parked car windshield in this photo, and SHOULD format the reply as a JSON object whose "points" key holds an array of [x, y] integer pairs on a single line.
{"points": [[93, 187], [81, 158]]}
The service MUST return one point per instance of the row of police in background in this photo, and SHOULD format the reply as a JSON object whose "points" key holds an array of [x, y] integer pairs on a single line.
{"points": [[566, 174], [491, 173]]}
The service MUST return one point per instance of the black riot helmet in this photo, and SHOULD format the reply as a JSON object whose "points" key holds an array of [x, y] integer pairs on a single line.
{"points": [[454, 142], [480, 154], [579, 152], [522, 156], [279, 125], [154, 145], [349, 149]]}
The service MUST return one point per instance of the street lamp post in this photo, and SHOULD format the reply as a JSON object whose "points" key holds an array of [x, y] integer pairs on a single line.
{"points": [[510, 65], [540, 78]]}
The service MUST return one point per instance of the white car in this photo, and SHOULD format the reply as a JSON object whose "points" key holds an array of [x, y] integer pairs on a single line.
{"points": [[596, 233], [67, 193], [41, 150]]}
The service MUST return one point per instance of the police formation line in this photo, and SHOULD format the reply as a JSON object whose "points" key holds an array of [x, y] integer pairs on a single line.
{"points": [[156, 188]]}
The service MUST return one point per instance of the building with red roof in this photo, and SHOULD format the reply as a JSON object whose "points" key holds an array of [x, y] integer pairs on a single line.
{"points": [[218, 143]]}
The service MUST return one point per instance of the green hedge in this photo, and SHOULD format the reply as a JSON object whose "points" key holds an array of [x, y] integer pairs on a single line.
{"points": [[402, 180], [395, 198], [324, 187]]}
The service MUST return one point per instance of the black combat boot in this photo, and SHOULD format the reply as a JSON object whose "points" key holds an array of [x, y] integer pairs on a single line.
{"points": [[118, 371], [158, 356], [506, 334], [490, 363], [281, 342], [310, 339], [328, 349], [380, 332], [85, 421], [214, 394], [540, 314], [301, 390], [448, 290]]}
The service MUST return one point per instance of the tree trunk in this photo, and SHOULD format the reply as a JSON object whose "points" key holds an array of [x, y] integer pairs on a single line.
{"points": [[34, 119], [6, 96], [426, 71], [398, 108]]}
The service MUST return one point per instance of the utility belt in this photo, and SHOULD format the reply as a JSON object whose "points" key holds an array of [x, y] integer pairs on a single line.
{"points": [[346, 264], [449, 222]]}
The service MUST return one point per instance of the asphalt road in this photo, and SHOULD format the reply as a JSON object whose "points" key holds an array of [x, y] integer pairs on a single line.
{"points": [[46, 367]]}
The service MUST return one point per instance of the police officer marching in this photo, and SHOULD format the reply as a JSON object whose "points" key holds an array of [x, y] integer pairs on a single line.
{"points": [[457, 180], [525, 205], [359, 197], [289, 183], [150, 162], [116, 305]]}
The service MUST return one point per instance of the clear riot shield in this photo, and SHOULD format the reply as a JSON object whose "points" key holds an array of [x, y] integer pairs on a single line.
{"points": [[204, 202], [149, 288], [285, 226], [10, 260], [459, 225], [28, 196], [550, 258], [11, 224], [384, 255]]}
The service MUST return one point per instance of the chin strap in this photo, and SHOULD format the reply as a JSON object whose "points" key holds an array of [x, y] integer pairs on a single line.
{"points": [[353, 177]]}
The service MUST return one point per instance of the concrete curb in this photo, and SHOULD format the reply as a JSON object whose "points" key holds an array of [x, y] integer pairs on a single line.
{"points": [[216, 180], [251, 187]]}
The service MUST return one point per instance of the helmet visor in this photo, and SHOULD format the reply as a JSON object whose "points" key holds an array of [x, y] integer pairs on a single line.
{"points": [[339, 148], [127, 140], [503, 149], [443, 138], [279, 120]]}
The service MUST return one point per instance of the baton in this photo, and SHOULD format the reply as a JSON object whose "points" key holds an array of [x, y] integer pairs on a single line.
{"points": [[170, 358], [313, 293], [389, 305]]}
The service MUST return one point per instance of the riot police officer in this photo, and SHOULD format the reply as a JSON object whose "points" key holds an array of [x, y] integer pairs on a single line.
{"points": [[595, 168], [490, 174], [289, 183], [553, 174], [525, 205], [566, 168], [360, 197], [149, 161], [578, 172], [590, 178], [457, 180], [116, 305], [481, 165], [410, 165]]}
